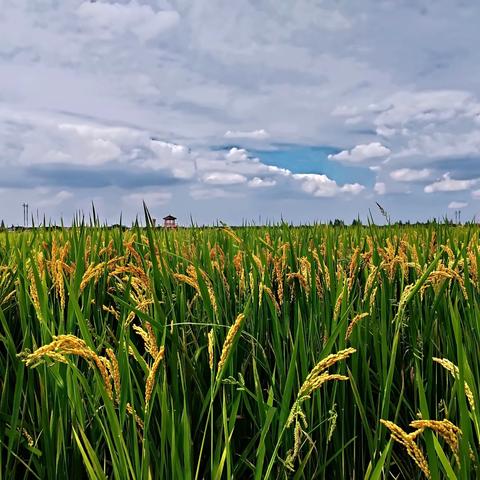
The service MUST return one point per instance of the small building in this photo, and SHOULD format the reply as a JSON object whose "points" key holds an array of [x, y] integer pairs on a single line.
{"points": [[170, 221]]}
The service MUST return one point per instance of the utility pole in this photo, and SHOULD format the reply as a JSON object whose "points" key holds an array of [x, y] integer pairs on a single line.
{"points": [[25, 214], [458, 219]]}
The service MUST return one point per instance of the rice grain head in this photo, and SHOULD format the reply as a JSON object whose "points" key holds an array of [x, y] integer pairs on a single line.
{"points": [[354, 321], [446, 429], [227, 345], [453, 369], [408, 441], [151, 376], [211, 344]]}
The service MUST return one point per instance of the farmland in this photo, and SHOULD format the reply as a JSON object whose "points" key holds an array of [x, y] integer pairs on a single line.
{"points": [[261, 352]]}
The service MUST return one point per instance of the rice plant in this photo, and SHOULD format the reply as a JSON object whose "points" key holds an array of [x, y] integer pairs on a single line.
{"points": [[255, 352]]}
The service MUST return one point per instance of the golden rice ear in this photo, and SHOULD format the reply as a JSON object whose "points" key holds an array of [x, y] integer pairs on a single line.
{"points": [[400, 436], [151, 376], [211, 344], [328, 361], [354, 321], [228, 343], [446, 429], [71, 345], [132, 412], [315, 379], [453, 369], [114, 373]]}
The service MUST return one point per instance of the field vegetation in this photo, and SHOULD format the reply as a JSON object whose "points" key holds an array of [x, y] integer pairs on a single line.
{"points": [[268, 352]]}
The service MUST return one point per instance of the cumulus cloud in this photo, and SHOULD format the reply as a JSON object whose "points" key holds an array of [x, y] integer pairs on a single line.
{"points": [[380, 188], [48, 143], [172, 70], [210, 193], [361, 153], [108, 19], [224, 178], [52, 200], [237, 155], [257, 182], [384, 131], [150, 198], [457, 205], [322, 186], [253, 135], [410, 175], [447, 184], [422, 107], [428, 130], [345, 111], [442, 144]]}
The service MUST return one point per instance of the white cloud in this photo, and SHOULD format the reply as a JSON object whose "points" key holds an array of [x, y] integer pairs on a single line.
{"points": [[345, 111], [237, 155], [443, 145], [380, 188], [150, 198], [174, 70], [177, 158], [48, 139], [354, 120], [360, 153], [254, 134], [53, 200], [257, 182], [407, 107], [447, 184], [108, 19], [410, 175], [224, 178], [457, 205], [385, 131], [209, 193], [476, 194], [322, 186]]}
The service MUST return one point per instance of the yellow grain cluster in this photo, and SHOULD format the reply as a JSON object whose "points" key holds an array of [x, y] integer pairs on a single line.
{"points": [[393, 257], [408, 441], [192, 279], [58, 268], [352, 269], [148, 337], [151, 376], [354, 321], [114, 373], [211, 345], [312, 378], [93, 272], [27, 436], [228, 343], [446, 429], [315, 379], [70, 345], [453, 369]]}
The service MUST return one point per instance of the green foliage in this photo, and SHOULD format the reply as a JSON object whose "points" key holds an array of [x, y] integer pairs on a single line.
{"points": [[299, 289]]}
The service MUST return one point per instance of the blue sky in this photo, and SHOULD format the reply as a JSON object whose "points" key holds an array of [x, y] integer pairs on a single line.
{"points": [[302, 110]]}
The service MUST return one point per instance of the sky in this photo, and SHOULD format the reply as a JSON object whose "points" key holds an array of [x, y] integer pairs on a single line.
{"points": [[245, 111]]}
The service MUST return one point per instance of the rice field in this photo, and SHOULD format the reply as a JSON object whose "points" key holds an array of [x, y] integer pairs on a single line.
{"points": [[249, 353]]}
